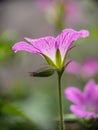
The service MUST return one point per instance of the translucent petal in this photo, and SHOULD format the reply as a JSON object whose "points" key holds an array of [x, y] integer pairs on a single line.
{"points": [[23, 46], [65, 40], [45, 45]]}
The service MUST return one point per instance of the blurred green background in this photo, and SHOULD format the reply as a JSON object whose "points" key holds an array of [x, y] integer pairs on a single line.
{"points": [[29, 103]]}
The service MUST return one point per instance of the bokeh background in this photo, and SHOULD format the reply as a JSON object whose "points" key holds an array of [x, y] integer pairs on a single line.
{"points": [[31, 103]]}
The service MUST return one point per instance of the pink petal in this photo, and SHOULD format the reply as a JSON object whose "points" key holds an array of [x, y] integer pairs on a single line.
{"points": [[24, 47], [91, 95], [65, 40], [45, 45], [74, 95], [80, 112], [89, 89], [95, 98], [73, 68], [77, 110], [91, 115], [90, 68], [43, 4]]}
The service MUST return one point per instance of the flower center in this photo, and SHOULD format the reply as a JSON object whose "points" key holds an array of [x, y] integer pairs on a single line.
{"points": [[91, 108]]}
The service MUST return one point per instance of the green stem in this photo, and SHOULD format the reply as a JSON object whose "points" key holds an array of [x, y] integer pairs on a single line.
{"points": [[60, 102]]}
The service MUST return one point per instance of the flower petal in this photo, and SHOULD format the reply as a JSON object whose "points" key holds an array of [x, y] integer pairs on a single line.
{"points": [[90, 68], [90, 86], [78, 110], [91, 95], [45, 45], [24, 46], [65, 40], [95, 98], [91, 115], [73, 68], [74, 95]]}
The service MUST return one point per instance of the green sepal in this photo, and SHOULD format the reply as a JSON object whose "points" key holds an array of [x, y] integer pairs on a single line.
{"points": [[43, 72], [68, 62], [67, 54], [50, 62], [60, 71], [58, 59]]}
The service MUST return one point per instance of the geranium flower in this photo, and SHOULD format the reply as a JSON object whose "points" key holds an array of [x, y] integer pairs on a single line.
{"points": [[89, 68], [86, 102], [43, 4], [73, 68], [71, 10], [54, 50]]}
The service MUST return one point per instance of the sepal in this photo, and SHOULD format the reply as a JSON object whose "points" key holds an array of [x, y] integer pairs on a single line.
{"points": [[43, 72], [67, 63], [49, 61], [58, 59]]}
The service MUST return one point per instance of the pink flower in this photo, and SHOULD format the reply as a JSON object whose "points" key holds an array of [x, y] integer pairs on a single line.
{"points": [[54, 50], [73, 68], [89, 68], [86, 102], [43, 4], [73, 12]]}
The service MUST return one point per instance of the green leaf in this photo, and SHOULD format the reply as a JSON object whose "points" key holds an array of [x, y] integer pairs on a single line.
{"points": [[43, 72], [58, 59], [9, 109]]}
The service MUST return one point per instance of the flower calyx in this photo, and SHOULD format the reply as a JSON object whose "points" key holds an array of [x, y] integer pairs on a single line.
{"points": [[43, 72]]}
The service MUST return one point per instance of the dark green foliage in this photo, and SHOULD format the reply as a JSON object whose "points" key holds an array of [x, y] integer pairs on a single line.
{"points": [[12, 118]]}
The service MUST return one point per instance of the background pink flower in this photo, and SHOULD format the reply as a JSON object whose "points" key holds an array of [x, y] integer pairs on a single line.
{"points": [[43, 4], [73, 68], [73, 12], [86, 102], [89, 68]]}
